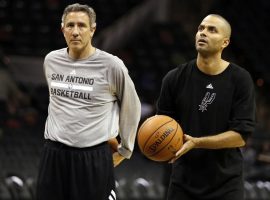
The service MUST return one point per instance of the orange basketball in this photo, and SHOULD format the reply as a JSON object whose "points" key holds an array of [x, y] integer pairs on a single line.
{"points": [[160, 137]]}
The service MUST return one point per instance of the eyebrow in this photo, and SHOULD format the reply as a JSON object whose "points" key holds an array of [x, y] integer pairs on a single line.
{"points": [[208, 26], [72, 23], [211, 26]]}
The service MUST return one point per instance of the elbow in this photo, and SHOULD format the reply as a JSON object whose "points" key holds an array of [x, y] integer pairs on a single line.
{"points": [[241, 141]]}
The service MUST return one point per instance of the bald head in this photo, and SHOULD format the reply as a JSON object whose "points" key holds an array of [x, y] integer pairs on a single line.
{"points": [[224, 24]]}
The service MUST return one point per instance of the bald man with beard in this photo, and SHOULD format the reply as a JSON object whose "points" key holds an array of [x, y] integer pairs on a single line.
{"points": [[214, 102]]}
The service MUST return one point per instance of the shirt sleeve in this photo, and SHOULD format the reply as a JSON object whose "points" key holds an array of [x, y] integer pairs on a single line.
{"points": [[130, 108], [165, 103], [244, 107]]}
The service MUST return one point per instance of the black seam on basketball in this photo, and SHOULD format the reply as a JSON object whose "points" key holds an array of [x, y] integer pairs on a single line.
{"points": [[147, 120], [167, 143], [143, 124], [154, 132]]}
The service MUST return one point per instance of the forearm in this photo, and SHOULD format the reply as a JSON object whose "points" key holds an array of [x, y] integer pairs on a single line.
{"points": [[129, 119], [130, 113], [228, 139], [130, 108]]}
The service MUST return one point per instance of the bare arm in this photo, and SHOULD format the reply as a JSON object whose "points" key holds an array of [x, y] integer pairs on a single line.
{"points": [[228, 139]]}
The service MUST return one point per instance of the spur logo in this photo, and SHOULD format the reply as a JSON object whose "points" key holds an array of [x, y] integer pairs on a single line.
{"points": [[208, 99]]}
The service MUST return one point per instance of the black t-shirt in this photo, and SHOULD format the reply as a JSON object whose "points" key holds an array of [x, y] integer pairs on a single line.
{"points": [[207, 105]]}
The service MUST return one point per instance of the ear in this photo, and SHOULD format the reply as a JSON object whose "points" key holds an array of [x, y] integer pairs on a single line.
{"points": [[62, 28], [94, 25], [226, 42], [93, 29]]}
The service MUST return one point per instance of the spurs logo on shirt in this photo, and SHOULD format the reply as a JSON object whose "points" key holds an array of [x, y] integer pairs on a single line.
{"points": [[208, 99]]}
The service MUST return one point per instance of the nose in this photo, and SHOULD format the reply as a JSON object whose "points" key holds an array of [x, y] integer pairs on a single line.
{"points": [[202, 33], [75, 31]]}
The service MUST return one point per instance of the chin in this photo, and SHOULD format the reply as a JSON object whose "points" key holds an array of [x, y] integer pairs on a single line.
{"points": [[75, 47], [200, 49], [203, 51]]}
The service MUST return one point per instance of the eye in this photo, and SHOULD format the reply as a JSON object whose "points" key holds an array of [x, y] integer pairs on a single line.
{"points": [[212, 29], [200, 28], [69, 25], [82, 25]]}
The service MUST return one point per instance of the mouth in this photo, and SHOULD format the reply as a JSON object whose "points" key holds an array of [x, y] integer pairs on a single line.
{"points": [[201, 41], [74, 40]]}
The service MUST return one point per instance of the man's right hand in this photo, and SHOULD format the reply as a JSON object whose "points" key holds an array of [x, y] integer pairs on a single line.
{"points": [[187, 146]]}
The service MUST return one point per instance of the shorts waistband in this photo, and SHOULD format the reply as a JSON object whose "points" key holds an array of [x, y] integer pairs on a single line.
{"points": [[60, 145]]}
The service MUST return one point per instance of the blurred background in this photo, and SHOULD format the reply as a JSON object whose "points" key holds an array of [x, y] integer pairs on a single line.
{"points": [[151, 37]]}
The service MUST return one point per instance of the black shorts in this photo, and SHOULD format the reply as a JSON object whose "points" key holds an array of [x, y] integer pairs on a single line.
{"points": [[176, 193], [69, 173]]}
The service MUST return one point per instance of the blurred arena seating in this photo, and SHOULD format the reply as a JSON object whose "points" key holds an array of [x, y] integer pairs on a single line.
{"points": [[30, 29], [33, 27]]}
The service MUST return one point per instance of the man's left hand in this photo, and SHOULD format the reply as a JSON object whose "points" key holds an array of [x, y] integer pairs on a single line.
{"points": [[117, 158]]}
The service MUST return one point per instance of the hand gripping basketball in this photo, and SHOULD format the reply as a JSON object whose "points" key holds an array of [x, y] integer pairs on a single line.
{"points": [[186, 147]]}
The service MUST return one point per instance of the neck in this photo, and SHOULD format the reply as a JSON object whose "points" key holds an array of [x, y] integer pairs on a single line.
{"points": [[211, 65], [82, 53]]}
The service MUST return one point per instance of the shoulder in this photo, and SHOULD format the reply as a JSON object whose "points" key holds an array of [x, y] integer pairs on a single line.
{"points": [[240, 74], [181, 70], [242, 81], [238, 70], [108, 57], [111, 61], [56, 53]]}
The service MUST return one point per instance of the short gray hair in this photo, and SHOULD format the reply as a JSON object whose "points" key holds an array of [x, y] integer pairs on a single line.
{"points": [[76, 7]]}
